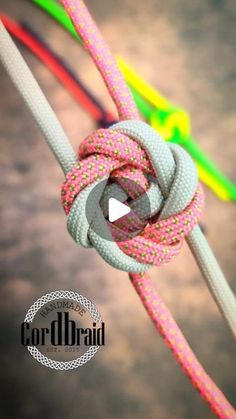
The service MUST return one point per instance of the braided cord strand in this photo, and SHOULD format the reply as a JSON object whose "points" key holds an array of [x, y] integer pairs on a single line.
{"points": [[57, 140], [126, 107], [42, 112], [58, 67], [156, 309], [214, 277], [103, 59], [173, 337], [221, 292]]}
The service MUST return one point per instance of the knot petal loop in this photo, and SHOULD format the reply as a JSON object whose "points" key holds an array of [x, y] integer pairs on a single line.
{"points": [[128, 159]]}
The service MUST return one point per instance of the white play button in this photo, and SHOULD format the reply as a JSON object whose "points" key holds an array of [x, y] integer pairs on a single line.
{"points": [[116, 210], [107, 204]]}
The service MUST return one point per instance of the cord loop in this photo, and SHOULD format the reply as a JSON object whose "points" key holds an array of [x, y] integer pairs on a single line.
{"points": [[132, 162]]}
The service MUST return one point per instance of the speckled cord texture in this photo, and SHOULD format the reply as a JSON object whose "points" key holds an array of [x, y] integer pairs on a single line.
{"points": [[145, 172], [204, 257], [181, 350], [133, 131], [112, 153], [103, 59]]}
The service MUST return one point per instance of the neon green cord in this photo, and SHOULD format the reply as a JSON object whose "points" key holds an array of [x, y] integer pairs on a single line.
{"points": [[171, 122]]}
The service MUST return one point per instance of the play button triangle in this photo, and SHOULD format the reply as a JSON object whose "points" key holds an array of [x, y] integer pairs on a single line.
{"points": [[116, 210]]}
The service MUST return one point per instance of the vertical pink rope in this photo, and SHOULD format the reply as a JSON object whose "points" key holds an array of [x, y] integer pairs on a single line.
{"points": [[155, 307], [182, 352], [103, 58]]}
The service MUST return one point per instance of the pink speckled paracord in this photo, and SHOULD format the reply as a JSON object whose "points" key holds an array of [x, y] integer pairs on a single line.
{"points": [[181, 350], [61, 147], [103, 153], [155, 307]]}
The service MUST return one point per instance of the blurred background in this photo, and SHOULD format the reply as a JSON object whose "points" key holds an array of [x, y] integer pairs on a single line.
{"points": [[187, 51]]}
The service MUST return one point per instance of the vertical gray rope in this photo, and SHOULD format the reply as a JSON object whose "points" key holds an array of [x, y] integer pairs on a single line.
{"points": [[34, 98], [214, 277], [64, 153]]}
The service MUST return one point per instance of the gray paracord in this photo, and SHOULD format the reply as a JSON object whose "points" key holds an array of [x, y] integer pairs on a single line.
{"points": [[64, 153]]}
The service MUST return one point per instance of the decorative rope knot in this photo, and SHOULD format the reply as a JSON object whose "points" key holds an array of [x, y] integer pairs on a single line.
{"points": [[158, 179]]}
